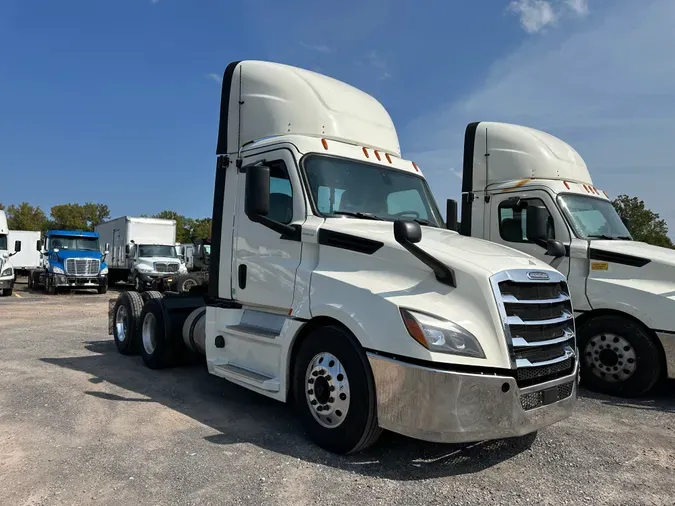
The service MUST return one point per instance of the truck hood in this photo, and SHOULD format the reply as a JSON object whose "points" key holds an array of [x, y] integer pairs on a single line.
{"points": [[451, 248], [665, 256], [151, 260]]}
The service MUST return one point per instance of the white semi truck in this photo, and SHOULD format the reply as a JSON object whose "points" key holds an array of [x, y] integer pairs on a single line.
{"points": [[142, 250], [334, 284], [29, 258], [531, 191], [7, 273]]}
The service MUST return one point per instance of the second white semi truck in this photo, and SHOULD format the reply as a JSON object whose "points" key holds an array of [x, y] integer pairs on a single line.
{"points": [[334, 285], [7, 273], [142, 250], [531, 191], [29, 258]]}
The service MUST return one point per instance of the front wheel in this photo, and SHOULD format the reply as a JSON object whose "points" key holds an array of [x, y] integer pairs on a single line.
{"points": [[138, 284], [619, 356], [50, 286], [334, 391]]}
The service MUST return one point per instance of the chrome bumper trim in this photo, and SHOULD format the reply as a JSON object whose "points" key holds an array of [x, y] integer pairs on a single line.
{"points": [[451, 407], [668, 342]]}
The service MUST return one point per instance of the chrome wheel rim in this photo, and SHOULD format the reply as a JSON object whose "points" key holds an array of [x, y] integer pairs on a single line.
{"points": [[121, 323], [610, 357], [149, 333], [327, 390], [188, 284]]}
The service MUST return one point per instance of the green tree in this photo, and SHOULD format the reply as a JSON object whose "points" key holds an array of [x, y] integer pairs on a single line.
{"points": [[202, 229], [644, 224], [78, 217], [26, 217], [184, 225]]}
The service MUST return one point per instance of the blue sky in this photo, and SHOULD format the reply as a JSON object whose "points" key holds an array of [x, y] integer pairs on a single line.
{"points": [[117, 101]]}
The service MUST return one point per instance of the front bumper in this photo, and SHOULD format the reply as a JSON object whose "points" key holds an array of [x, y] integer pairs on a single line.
{"points": [[453, 407], [668, 342], [6, 284], [61, 280]]}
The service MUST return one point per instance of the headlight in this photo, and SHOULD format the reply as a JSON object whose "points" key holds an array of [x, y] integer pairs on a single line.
{"points": [[144, 268], [57, 270], [104, 271], [443, 336], [6, 272]]}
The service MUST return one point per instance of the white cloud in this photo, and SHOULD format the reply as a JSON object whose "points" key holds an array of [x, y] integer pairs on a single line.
{"points": [[535, 15], [607, 89], [217, 78], [319, 48], [374, 60]]}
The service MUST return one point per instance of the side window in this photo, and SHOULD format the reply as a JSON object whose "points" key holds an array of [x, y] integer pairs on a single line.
{"points": [[281, 193], [406, 202], [513, 222]]}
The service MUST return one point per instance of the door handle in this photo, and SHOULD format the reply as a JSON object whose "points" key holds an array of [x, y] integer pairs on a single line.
{"points": [[242, 276]]}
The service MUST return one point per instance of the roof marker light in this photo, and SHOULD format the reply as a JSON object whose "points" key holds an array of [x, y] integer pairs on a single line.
{"points": [[377, 155], [416, 167], [388, 157], [325, 143], [365, 152], [603, 191], [566, 185]]}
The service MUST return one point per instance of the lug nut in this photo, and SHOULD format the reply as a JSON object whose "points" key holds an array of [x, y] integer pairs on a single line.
{"points": [[331, 399]]}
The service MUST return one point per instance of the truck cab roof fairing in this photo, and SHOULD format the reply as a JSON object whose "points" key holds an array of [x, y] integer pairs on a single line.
{"points": [[263, 99]]}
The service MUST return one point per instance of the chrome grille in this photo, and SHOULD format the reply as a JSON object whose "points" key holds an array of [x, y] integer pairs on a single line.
{"points": [[166, 267], [538, 323], [82, 266]]}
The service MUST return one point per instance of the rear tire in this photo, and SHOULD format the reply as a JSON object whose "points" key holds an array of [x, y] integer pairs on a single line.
{"points": [[5, 292], [332, 372], [157, 347], [126, 322], [151, 294], [618, 356]]}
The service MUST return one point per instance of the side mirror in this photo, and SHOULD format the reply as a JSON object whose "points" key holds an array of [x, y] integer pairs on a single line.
{"points": [[38, 245], [555, 248], [17, 246], [451, 214], [257, 200], [127, 249], [626, 222], [537, 217], [107, 246], [407, 232]]}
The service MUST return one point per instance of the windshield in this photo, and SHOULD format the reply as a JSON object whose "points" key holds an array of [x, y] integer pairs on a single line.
{"points": [[3, 242], [74, 243], [207, 249], [593, 218], [146, 251], [343, 187]]}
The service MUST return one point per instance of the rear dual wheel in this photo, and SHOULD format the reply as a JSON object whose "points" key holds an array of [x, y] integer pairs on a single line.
{"points": [[126, 322], [158, 347]]}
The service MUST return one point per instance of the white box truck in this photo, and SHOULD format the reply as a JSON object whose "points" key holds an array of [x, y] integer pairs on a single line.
{"points": [[7, 272], [334, 285], [531, 191], [29, 258], [142, 250]]}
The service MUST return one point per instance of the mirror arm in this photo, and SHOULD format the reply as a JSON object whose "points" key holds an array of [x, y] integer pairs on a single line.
{"points": [[444, 274], [290, 232]]}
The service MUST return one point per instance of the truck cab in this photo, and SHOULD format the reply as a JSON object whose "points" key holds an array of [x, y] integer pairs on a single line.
{"points": [[335, 285], [148, 263], [71, 260], [7, 272], [530, 191]]}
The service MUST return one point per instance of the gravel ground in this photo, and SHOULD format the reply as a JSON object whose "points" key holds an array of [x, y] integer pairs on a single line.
{"points": [[81, 424]]}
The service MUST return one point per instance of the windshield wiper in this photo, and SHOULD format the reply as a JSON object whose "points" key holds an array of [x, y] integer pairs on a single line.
{"points": [[427, 223], [363, 216], [602, 236]]}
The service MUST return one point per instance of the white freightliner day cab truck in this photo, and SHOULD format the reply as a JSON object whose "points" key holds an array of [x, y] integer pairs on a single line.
{"points": [[531, 191], [335, 285], [142, 250], [7, 273]]}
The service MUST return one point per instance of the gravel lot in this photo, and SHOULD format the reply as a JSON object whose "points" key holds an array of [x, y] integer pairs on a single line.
{"points": [[81, 424]]}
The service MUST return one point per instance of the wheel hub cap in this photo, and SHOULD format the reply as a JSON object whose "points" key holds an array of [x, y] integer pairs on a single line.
{"points": [[121, 322], [149, 333], [327, 390], [610, 357]]}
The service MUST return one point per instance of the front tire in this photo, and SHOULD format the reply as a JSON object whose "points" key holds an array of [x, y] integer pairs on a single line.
{"points": [[334, 391], [157, 349], [138, 284], [50, 287], [126, 322], [618, 356], [186, 282]]}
